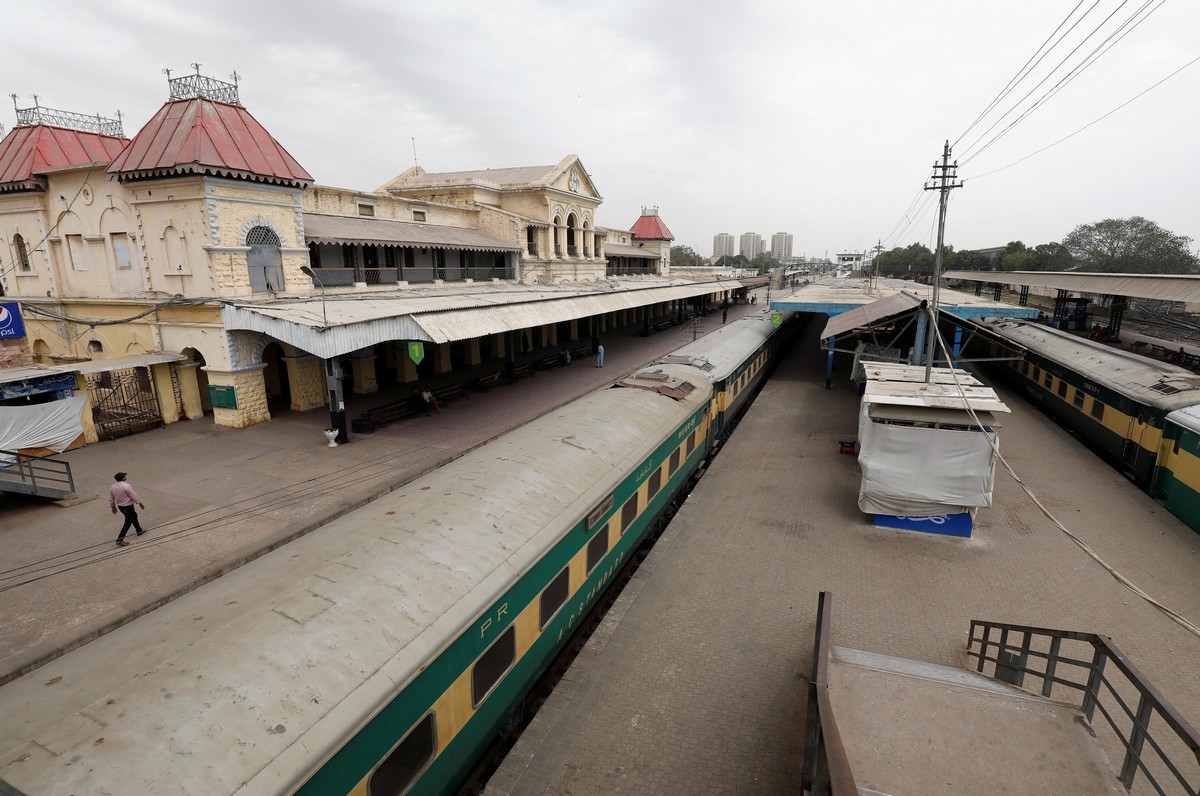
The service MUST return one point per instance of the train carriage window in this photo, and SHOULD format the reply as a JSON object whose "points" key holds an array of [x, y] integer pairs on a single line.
{"points": [[596, 550], [653, 484], [674, 465], [1048, 381], [1097, 409], [629, 512], [691, 445], [554, 596], [1037, 374], [492, 665], [1077, 399], [406, 762], [1062, 389]]}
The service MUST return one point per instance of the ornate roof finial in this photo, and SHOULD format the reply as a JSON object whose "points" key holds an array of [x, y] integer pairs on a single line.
{"points": [[235, 77], [196, 67], [166, 70], [203, 87]]}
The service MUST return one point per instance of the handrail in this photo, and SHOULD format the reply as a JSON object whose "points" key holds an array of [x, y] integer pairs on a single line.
{"points": [[36, 471], [1011, 663], [826, 767]]}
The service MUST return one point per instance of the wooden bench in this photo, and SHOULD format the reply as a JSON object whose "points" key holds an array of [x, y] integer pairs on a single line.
{"points": [[662, 326], [485, 383], [1159, 351], [581, 352], [450, 393], [545, 363], [382, 415], [521, 371]]}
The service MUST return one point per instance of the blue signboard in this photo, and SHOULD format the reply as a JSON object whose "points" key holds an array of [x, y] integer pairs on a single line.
{"points": [[945, 524], [11, 324]]}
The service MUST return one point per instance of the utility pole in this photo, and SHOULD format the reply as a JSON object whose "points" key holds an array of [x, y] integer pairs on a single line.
{"points": [[874, 273], [945, 176]]}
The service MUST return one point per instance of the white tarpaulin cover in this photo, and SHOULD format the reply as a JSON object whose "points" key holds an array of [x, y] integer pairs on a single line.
{"points": [[922, 472], [54, 425]]}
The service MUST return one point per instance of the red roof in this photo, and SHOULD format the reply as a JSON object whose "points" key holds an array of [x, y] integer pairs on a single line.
{"points": [[29, 150], [651, 227], [203, 136]]}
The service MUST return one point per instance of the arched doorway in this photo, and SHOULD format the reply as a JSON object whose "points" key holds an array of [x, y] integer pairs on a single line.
{"points": [[572, 244], [264, 260], [275, 377], [201, 378]]}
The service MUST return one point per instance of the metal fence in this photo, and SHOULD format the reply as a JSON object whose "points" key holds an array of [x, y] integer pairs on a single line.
{"points": [[346, 277], [826, 767], [1146, 731], [35, 475]]}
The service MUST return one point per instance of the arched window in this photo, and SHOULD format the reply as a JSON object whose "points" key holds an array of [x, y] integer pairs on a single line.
{"points": [[22, 253], [572, 249], [264, 260]]}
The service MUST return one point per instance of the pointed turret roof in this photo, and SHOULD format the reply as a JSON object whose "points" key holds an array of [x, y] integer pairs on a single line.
{"points": [[29, 151], [650, 226], [199, 135]]}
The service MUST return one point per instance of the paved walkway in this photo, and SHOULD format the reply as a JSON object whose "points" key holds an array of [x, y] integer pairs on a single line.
{"points": [[696, 680], [216, 498]]}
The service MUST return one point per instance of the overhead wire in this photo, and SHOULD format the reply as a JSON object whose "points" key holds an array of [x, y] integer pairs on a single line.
{"points": [[1026, 69], [1168, 612], [1128, 26], [1089, 124]]}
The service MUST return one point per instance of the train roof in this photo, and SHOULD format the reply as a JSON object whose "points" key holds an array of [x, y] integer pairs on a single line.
{"points": [[1146, 380], [720, 352], [240, 685]]}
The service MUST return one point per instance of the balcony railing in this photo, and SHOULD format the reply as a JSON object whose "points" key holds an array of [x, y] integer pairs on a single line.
{"points": [[624, 270], [346, 277], [572, 251], [533, 249]]}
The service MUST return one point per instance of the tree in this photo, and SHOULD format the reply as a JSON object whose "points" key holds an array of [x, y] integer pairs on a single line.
{"points": [[1051, 257], [1130, 246], [968, 260], [763, 263], [914, 260], [684, 257]]}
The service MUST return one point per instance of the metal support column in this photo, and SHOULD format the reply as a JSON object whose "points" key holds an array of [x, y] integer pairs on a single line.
{"points": [[1116, 313], [1024, 300], [829, 363], [996, 289], [1060, 309], [510, 356]]}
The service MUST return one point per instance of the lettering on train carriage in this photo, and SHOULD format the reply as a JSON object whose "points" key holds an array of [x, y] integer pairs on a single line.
{"points": [[686, 428], [582, 608], [647, 467], [1091, 388], [501, 612]]}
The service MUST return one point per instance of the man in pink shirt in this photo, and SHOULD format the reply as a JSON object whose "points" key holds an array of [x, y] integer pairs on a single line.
{"points": [[121, 496]]}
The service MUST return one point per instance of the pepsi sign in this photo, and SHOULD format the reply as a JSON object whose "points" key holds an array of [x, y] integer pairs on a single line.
{"points": [[11, 324]]}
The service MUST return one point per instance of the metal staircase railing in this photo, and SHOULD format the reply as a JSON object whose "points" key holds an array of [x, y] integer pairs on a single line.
{"points": [[1011, 652], [44, 476], [826, 767]]}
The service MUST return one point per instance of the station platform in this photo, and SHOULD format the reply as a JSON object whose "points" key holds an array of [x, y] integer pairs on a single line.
{"points": [[696, 680], [216, 497]]}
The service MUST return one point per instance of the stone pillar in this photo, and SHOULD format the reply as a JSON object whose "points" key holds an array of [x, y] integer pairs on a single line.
{"points": [[550, 334], [306, 382], [189, 390], [168, 407], [362, 367], [573, 330], [601, 323], [474, 356], [498, 347], [440, 357], [89, 425], [250, 392], [406, 369]]}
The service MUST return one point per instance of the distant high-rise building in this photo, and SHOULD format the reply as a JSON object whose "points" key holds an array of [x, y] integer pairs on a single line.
{"points": [[722, 245], [751, 244], [781, 246]]}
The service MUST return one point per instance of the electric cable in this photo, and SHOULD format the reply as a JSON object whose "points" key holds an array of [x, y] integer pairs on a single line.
{"points": [[1171, 614]]}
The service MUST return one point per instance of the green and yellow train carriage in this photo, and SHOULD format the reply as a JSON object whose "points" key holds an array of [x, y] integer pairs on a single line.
{"points": [[1120, 403], [382, 653]]}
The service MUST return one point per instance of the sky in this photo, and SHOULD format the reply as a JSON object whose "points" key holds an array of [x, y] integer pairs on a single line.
{"points": [[818, 118]]}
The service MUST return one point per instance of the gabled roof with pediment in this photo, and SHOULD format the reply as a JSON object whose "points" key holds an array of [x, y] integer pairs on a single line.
{"points": [[517, 178]]}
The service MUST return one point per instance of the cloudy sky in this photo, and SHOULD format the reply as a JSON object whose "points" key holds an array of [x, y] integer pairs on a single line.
{"points": [[817, 118]]}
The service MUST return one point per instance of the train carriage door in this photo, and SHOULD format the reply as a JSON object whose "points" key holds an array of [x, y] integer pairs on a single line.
{"points": [[1131, 446]]}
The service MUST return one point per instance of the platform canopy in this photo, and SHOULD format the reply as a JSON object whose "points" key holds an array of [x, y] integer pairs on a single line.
{"points": [[1163, 287], [342, 324]]}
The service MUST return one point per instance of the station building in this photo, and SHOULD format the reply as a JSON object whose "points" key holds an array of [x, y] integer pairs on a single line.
{"points": [[198, 260]]}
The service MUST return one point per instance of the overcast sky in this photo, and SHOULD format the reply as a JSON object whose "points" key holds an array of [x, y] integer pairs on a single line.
{"points": [[817, 118]]}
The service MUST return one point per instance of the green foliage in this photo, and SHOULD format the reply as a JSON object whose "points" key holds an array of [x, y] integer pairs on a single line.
{"points": [[967, 260], [685, 256], [1130, 246], [913, 261], [1016, 261], [1051, 257]]}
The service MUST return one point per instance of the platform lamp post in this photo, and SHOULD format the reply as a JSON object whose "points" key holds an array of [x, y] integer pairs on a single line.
{"points": [[333, 372]]}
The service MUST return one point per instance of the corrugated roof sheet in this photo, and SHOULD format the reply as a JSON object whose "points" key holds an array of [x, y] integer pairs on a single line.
{"points": [[27, 151], [335, 327], [936, 395], [25, 372], [1165, 287], [867, 314], [349, 229], [514, 176], [651, 228], [203, 136], [624, 250], [127, 362]]}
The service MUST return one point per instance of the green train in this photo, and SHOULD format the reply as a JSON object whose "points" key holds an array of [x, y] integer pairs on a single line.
{"points": [[1140, 414], [383, 653]]}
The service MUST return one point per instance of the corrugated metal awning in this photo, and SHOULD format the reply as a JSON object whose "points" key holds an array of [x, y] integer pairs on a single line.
{"points": [[127, 362], [320, 228], [27, 372], [625, 250], [938, 396], [867, 314], [1166, 287], [336, 327]]}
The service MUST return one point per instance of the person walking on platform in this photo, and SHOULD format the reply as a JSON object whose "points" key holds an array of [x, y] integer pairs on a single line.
{"points": [[599, 356], [121, 496], [724, 315]]}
